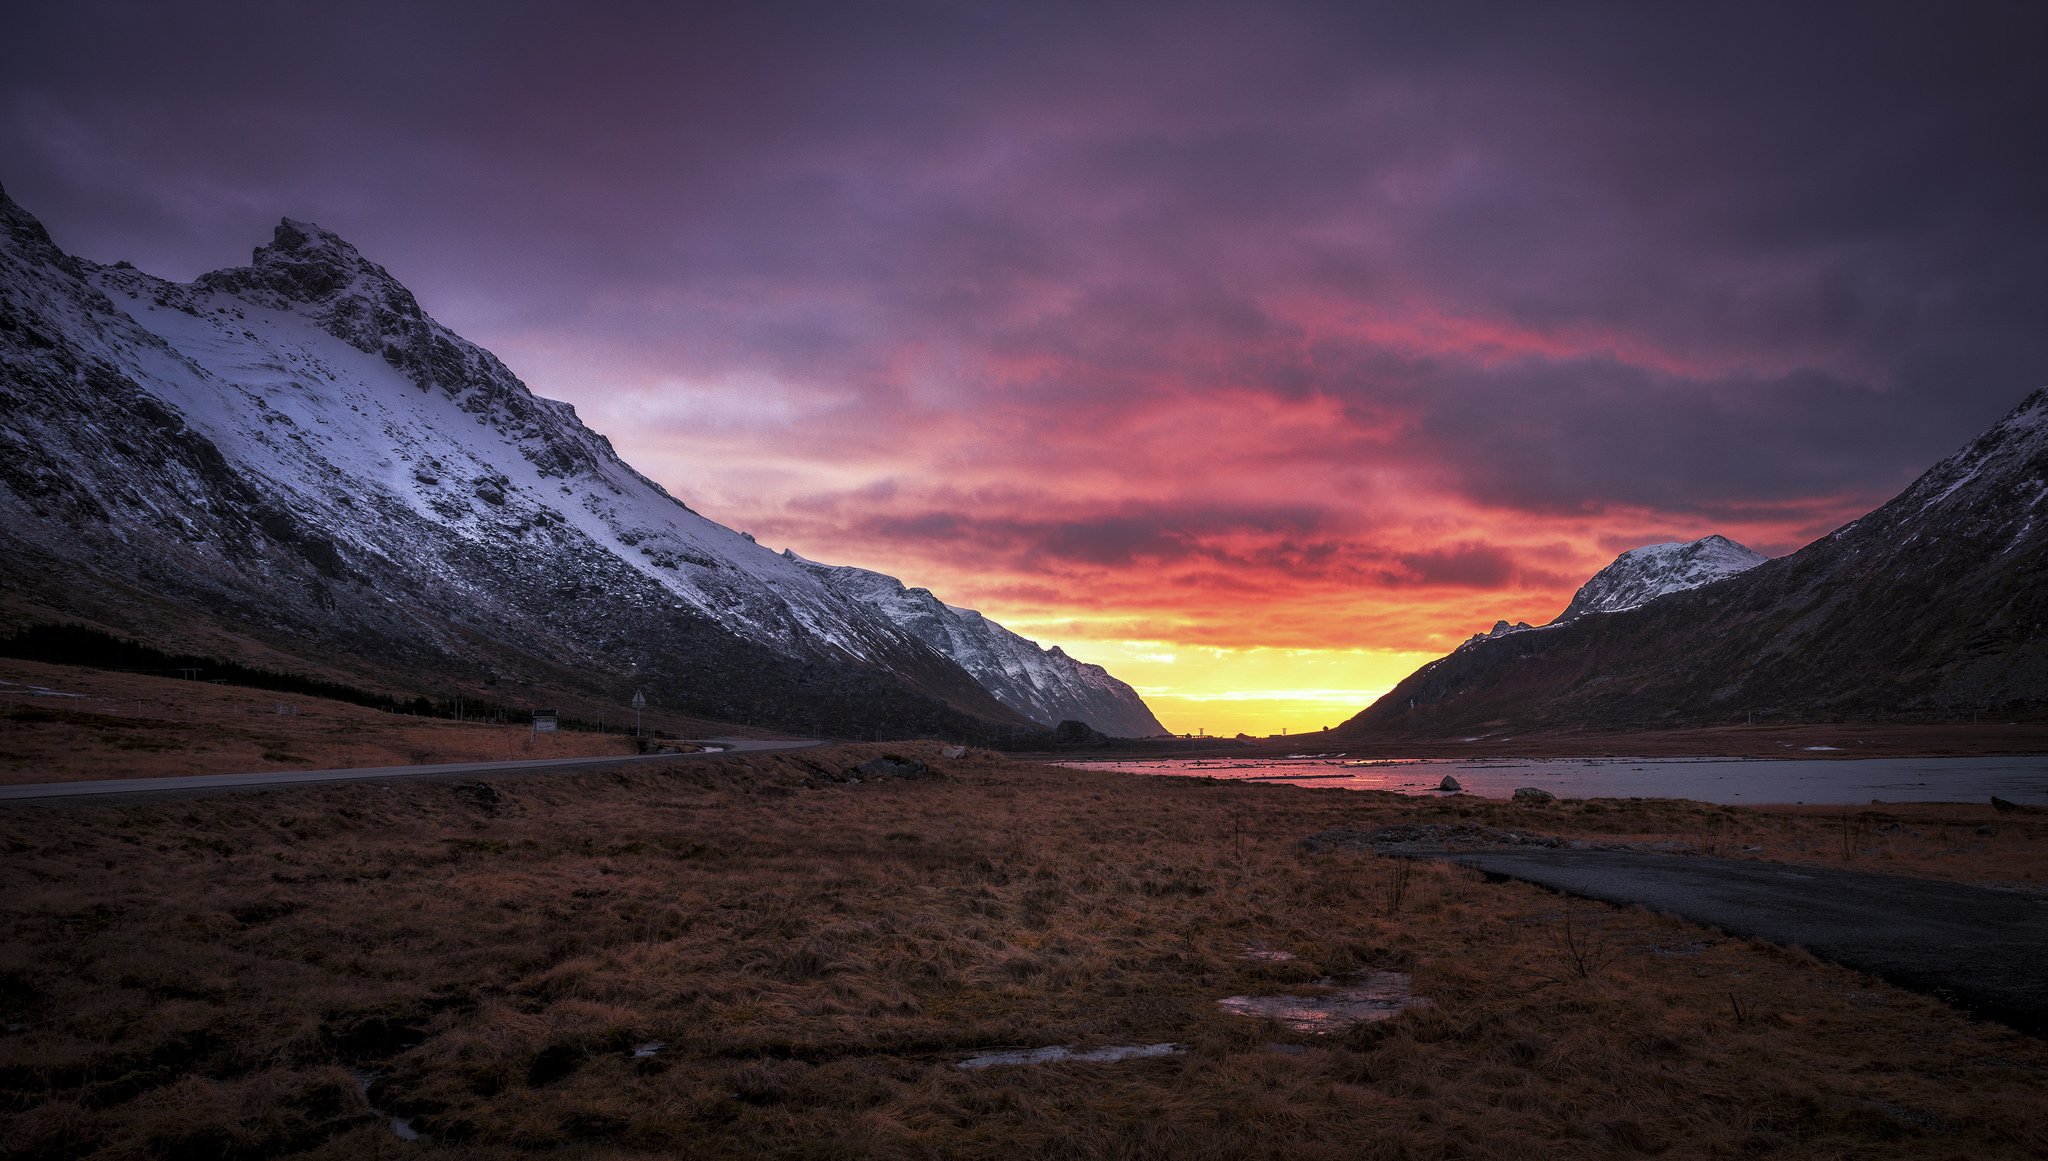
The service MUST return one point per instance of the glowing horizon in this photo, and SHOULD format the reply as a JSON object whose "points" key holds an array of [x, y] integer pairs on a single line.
{"points": [[1296, 341]]}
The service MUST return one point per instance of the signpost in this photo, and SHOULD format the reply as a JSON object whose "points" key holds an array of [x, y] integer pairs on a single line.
{"points": [[544, 721], [639, 703]]}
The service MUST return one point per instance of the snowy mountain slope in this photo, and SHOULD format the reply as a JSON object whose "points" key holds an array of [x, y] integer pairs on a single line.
{"points": [[1641, 575], [297, 449], [354, 396], [1044, 685], [1933, 607]]}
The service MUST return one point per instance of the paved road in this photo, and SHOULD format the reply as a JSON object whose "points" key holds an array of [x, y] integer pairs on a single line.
{"points": [[213, 782], [1978, 947]]}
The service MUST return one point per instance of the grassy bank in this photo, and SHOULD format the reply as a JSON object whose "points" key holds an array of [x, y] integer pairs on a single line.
{"points": [[212, 978], [95, 724]]}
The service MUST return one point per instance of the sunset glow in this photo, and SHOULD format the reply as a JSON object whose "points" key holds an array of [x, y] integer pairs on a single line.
{"points": [[1259, 353]]}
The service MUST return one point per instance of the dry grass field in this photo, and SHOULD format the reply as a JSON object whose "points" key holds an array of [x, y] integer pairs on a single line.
{"points": [[250, 975], [60, 722]]}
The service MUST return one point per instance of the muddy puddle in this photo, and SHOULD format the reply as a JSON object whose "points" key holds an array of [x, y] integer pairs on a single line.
{"points": [[1357, 999], [1057, 1054]]}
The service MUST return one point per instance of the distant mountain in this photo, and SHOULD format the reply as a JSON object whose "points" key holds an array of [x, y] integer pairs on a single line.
{"points": [[1930, 608], [293, 462], [1641, 575], [1044, 685]]}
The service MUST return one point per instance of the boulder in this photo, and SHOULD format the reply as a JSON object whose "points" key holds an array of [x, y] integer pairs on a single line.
{"points": [[1533, 794], [1449, 783]]}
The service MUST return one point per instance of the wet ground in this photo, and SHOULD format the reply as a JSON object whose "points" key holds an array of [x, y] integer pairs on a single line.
{"points": [[1334, 1006]]}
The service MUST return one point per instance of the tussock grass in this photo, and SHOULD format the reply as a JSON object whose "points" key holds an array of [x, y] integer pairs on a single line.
{"points": [[208, 978]]}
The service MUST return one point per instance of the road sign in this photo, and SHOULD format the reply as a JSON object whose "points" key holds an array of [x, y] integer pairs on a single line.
{"points": [[639, 703], [544, 721]]}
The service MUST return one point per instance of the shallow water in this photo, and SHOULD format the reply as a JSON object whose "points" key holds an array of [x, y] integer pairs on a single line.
{"points": [[1056, 1054], [401, 1127], [1371, 996], [1742, 781]]}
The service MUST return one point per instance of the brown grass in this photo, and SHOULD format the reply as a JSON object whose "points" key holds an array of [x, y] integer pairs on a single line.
{"points": [[197, 979], [1963, 842], [137, 726]]}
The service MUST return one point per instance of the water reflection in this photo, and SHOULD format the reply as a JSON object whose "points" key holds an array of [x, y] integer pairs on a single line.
{"points": [[1749, 781]]}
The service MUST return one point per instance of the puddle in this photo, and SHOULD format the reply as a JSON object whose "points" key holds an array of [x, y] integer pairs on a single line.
{"points": [[1056, 1054], [401, 1127], [1369, 996]]}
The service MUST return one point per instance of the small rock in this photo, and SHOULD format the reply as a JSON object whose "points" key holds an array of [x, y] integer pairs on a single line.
{"points": [[953, 752], [1533, 794], [1449, 783]]}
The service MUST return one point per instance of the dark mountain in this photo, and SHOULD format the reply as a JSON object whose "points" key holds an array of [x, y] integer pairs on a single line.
{"points": [[290, 464], [1930, 608]]}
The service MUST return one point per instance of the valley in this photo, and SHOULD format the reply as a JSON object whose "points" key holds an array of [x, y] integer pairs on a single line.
{"points": [[757, 957]]}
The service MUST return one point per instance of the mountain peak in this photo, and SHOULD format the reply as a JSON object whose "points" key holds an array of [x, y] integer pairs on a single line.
{"points": [[1641, 575], [308, 264], [295, 237]]}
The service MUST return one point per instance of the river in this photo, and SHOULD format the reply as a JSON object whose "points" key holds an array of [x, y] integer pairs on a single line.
{"points": [[1743, 781]]}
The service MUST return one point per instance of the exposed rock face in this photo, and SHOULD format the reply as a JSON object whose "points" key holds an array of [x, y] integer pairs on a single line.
{"points": [[292, 459], [1930, 608], [1044, 685]]}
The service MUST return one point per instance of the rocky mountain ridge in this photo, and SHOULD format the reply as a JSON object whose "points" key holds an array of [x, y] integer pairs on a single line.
{"points": [[1045, 685], [292, 457], [1642, 575], [1932, 607]]}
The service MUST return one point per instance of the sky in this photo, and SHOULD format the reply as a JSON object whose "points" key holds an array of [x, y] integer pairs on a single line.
{"points": [[1259, 352]]}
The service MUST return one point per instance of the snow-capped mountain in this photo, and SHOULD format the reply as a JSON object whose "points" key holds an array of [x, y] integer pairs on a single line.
{"points": [[1641, 575], [1044, 685], [298, 451], [1932, 607]]}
